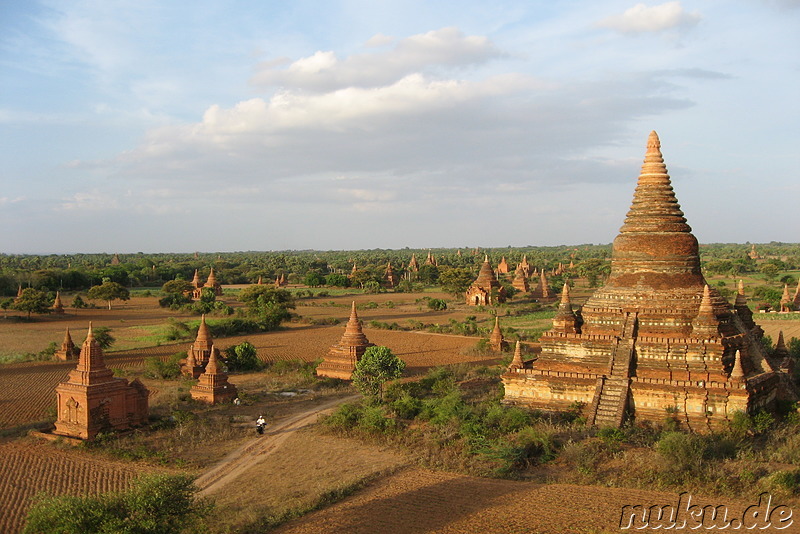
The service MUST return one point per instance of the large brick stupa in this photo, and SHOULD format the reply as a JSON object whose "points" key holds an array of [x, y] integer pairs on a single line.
{"points": [[655, 340]]}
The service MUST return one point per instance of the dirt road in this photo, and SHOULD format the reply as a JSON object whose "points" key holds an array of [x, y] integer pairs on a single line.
{"points": [[255, 451]]}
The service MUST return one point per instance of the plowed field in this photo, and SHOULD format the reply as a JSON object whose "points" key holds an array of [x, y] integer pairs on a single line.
{"points": [[422, 501], [28, 467]]}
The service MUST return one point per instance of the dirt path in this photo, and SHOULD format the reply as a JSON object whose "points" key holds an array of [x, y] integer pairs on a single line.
{"points": [[255, 451]]}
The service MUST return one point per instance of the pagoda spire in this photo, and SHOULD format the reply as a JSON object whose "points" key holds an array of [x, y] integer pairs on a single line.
{"points": [[782, 355], [655, 207], [496, 339], [786, 300], [737, 373], [58, 306], [212, 367], [706, 323], [516, 362], [91, 367], [565, 319]]}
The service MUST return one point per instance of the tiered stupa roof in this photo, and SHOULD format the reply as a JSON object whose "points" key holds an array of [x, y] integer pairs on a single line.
{"points": [[496, 339], [213, 386], [656, 335], [486, 290], [340, 362]]}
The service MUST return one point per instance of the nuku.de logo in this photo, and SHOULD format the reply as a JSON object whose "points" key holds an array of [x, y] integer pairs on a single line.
{"points": [[687, 516]]}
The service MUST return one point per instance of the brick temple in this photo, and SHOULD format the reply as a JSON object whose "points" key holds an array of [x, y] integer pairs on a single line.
{"points": [[212, 386], [200, 351], [655, 337], [486, 290], [340, 362], [92, 400]]}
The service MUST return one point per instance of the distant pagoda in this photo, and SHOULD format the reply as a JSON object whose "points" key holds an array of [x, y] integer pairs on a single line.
{"points": [[486, 290], [502, 267], [58, 306], [68, 350], [656, 337], [390, 278], [496, 339], [340, 362]]}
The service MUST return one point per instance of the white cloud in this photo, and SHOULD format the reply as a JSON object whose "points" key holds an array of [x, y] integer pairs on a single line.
{"points": [[643, 19], [379, 40], [90, 201], [323, 71]]}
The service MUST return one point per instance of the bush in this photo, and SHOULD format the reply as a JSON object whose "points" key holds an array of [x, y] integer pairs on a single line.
{"points": [[683, 454], [437, 304], [406, 406], [154, 504], [155, 367], [345, 417], [242, 357]]}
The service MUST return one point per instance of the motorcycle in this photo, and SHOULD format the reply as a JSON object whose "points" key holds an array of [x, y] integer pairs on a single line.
{"points": [[260, 424]]}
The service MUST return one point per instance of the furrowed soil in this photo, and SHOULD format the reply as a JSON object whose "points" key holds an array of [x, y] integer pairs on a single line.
{"points": [[29, 466], [420, 501]]}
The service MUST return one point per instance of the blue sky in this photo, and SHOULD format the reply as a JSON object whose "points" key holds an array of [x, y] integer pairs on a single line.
{"points": [[261, 125]]}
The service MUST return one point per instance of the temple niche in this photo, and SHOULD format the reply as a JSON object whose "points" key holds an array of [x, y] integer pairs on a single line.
{"points": [[656, 337], [92, 400], [486, 290], [340, 362]]}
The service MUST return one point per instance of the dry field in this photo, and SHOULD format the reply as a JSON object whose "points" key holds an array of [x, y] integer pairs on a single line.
{"points": [[422, 501], [27, 389], [29, 466]]}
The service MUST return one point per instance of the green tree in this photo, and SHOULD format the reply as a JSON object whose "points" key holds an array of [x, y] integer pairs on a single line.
{"points": [[269, 304], [337, 280], [109, 291], [32, 301], [179, 287], [377, 366], [314, 279], [102, 334], [242, 357], [456, 280], [428, 274], [155, 504], [770, 271]]}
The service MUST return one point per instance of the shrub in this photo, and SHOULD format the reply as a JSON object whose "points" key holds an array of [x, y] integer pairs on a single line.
{"points": [[345, 417], [406, 406], [682, 453], [156, 504], [155, 367], [242, 357], [373, 419], [437, 304]]}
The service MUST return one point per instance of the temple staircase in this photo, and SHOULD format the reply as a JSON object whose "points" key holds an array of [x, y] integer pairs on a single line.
{"points": [[611, 395]]}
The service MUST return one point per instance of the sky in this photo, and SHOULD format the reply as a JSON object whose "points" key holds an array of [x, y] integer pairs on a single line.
{"points": [[151, 126]]}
